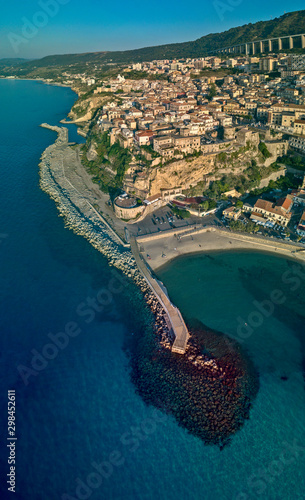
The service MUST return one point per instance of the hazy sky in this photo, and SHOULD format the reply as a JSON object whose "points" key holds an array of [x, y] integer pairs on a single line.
{"points": [[31, 29]]}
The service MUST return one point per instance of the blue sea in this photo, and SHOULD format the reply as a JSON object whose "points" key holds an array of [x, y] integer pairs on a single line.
{"points": [[82, 430]]}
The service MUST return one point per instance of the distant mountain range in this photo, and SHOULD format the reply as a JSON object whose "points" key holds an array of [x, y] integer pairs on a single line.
{"points": [[13, 61], [291, 23]]}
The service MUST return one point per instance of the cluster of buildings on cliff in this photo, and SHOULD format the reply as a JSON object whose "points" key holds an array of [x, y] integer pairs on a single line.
{"points": [[175, 116], [283, 63], [177, 111]]}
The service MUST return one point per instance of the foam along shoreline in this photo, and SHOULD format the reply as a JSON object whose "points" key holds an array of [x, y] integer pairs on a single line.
{"points": [[168, 246], [81, 217], [77, 211]]}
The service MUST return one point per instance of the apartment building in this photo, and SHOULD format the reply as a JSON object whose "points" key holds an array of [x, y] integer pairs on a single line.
{"points": [[278, 212], [299, 127], [183, 144]]}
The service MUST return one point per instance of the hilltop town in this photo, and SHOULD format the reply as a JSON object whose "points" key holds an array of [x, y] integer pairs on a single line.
{"points": [[209, 130]]}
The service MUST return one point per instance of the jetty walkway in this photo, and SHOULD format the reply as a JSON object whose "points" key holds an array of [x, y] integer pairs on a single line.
{"points": [[174, 316]]}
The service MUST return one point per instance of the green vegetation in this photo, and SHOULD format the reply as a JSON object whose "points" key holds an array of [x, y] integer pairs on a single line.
{"points": [[264, 150], [149, 149], [212, 204], [242, 183], [111, 164], [12, 61], [226, 157], [185, 214], [187, 156], [293, 161], [212, 92], [208, 205], [284, 183], [205, 205], [237, 225], [222, 157], [247, 181]]}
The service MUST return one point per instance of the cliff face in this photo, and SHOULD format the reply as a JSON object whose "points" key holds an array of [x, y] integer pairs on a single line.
{"points": [[84, 109], [188, 173], [182, 173]]}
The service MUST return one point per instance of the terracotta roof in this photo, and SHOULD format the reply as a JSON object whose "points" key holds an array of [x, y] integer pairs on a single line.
{"points": [[272, 208], [285, 203], [145, 133], [264, 205]]}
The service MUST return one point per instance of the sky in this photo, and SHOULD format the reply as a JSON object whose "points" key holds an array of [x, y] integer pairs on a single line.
{"points": [[35, 28]]}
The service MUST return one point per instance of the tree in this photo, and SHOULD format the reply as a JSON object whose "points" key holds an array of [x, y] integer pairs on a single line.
{"points": [[212, 92], [222, 157], [212, 204], [264, 150], [205, 206], [239, 204]]}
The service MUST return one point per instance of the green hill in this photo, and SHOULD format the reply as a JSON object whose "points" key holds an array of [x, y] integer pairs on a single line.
{"points": [[12, 61], [291, 23]]}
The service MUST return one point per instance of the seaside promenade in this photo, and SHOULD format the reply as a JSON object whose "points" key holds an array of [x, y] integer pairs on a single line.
{"points": [[174, 316], [168, 245]]}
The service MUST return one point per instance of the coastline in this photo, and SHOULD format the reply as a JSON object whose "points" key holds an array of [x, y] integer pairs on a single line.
{"points": [[41, 80], [85, 209], [81, 203], [209, 373], [222, 240]]}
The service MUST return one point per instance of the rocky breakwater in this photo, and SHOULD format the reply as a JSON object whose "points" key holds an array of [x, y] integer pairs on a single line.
{"points": [[209, 390], [77, 211]]}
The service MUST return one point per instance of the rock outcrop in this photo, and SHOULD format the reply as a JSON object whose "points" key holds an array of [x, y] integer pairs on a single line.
{"points": [[182, 173], [84, 109]]}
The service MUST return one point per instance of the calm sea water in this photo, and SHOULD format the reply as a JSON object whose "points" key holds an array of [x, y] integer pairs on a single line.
{"points": [[80, 412]]}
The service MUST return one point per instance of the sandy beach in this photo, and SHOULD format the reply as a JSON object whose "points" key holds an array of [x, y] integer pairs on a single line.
{"points": [[163, 249]]}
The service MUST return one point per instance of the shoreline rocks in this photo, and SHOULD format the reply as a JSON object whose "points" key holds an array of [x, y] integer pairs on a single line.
{"points": [[81, 218]]}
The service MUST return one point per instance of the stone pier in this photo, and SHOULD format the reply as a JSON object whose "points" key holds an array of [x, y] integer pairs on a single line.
{"points": [[173, 314]]}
